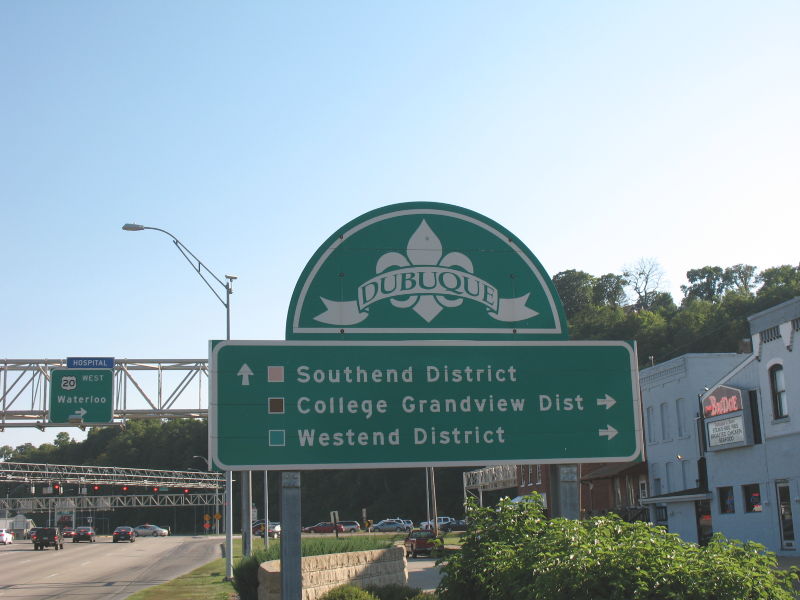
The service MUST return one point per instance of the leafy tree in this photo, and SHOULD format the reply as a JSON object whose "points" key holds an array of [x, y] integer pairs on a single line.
{"points": [[575, 288], [778, 284], [705, 283], [609, 290], [740, 278]]}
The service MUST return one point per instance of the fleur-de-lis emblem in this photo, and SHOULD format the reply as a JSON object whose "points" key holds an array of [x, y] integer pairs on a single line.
{"points": [[424, 249], [426, 280]]}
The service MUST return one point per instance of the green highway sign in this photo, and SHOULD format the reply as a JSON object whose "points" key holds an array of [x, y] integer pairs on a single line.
{"points": [[297, 405], [81, 395]]}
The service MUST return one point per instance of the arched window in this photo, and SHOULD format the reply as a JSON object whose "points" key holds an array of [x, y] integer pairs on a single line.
{"points": [[778, 387]]}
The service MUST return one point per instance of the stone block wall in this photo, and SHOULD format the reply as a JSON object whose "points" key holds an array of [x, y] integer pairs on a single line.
{"points": [[325, 572]]}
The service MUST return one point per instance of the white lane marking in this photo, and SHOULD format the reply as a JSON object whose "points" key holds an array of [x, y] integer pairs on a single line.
{"points": [[53, 575]]}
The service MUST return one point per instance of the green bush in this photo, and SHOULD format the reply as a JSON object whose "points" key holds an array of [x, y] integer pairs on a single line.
{"points": [[514, 552], [245, 572], [393, 592], [347, 592]]}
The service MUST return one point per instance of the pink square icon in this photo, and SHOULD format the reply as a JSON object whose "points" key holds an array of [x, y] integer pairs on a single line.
{"points": [[275, 374]]}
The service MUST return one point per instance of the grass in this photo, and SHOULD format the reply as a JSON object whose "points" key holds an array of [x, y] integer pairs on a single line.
{"points": [[208, 582]]}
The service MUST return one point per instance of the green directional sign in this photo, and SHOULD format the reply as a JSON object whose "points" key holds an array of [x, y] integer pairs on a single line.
{"points": [[81, 395], [311, 405]]}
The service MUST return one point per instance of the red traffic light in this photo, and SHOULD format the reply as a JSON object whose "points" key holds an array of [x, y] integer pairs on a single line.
{"points": [[186, 490], [155, 489], [124, 488], [96, 488]]}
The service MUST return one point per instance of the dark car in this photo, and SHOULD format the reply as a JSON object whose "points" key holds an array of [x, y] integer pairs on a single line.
{"points": [[45, 537], [67, 532], [84, 534], [457, 525], [123, 532]]}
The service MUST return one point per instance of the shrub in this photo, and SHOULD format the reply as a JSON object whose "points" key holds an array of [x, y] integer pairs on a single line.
{"points": [[514, 552], [347, 592]]}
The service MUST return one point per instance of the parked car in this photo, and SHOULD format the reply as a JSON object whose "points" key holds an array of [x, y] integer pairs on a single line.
{"points": [[324, 527], [84, 534], [389, 525], [350, 526], [46, 537], [457, 525], [6, 536], [123, 532], [421, 542], [440, 522], [150, 530], [67, 532], [409, 524]]}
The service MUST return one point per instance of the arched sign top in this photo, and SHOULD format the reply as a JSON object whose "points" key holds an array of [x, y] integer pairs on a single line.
{"points": [[422, 270]]}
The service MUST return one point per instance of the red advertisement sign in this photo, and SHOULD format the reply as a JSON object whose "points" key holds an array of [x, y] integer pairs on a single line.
{"points": [[722, 400]]}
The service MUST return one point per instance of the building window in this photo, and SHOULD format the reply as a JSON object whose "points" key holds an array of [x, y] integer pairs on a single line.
{"points": [[642, 488], [685, 474], [680, 413], [755, 418], [661, 514], [669, 479], [664, 422], [726, 502], [538, 474], [752, 498], [778, 387], [651, 432], [657, 486]]}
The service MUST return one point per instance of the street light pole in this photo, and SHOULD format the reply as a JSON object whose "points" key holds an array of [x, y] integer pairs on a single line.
{"points": [[204, 272]]}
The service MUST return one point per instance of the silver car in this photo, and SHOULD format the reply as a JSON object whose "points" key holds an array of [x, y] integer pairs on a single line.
{"points": [[150, 530]]}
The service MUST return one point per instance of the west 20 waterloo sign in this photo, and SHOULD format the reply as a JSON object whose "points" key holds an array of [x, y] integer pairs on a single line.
{"points": [[422, 334]]}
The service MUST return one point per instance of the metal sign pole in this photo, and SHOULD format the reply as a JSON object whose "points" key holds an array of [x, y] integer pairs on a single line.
{"points": [[291, 574]]}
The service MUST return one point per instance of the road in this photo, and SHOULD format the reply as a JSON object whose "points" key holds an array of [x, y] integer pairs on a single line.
{"points": [[102, 570], [423, 573]]}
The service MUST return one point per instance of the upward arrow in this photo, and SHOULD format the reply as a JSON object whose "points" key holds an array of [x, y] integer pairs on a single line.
{"points": [[245, 373], [608, 402]]}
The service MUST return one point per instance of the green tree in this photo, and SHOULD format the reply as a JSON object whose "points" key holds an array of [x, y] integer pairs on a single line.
{"points": [[575, 288], [609, 290]]}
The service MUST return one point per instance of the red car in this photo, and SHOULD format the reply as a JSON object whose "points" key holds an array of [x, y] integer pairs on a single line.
{"points": [[67, 532], [324, 527], [421, 542]]}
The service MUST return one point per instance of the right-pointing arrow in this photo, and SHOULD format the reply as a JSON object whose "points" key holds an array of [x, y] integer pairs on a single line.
{"points": [[608, 402], [608, 432]]}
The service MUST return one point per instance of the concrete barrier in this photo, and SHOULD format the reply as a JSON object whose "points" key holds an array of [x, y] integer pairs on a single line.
{"points": [[327, 571]]}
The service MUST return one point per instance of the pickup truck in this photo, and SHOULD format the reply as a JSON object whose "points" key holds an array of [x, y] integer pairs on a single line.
{"points": [[421, 542], [46, 537]]}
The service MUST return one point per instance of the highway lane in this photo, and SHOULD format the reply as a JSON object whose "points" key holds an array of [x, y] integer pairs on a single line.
{"points": [[102, 570]]}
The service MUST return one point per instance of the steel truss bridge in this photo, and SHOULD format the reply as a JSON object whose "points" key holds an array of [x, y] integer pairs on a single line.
{"points": [[203, 488], [143, 389]]}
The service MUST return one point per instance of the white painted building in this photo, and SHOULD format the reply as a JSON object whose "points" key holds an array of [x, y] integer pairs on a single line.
{"points": [[752, 447], [678, 496]]}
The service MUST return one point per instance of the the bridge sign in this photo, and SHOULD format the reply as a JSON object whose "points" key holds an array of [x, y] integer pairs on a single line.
{"points": [[81, 396], [366, 404]]}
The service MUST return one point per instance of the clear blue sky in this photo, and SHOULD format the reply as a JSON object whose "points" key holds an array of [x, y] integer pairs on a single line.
{"points": [[598, 132]]}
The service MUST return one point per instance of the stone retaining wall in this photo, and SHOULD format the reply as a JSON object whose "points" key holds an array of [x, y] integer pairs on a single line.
{"points": [[327, 571]]}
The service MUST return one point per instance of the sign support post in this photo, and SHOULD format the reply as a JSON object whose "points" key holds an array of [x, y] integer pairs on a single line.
{"points": [[291, 573]]}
